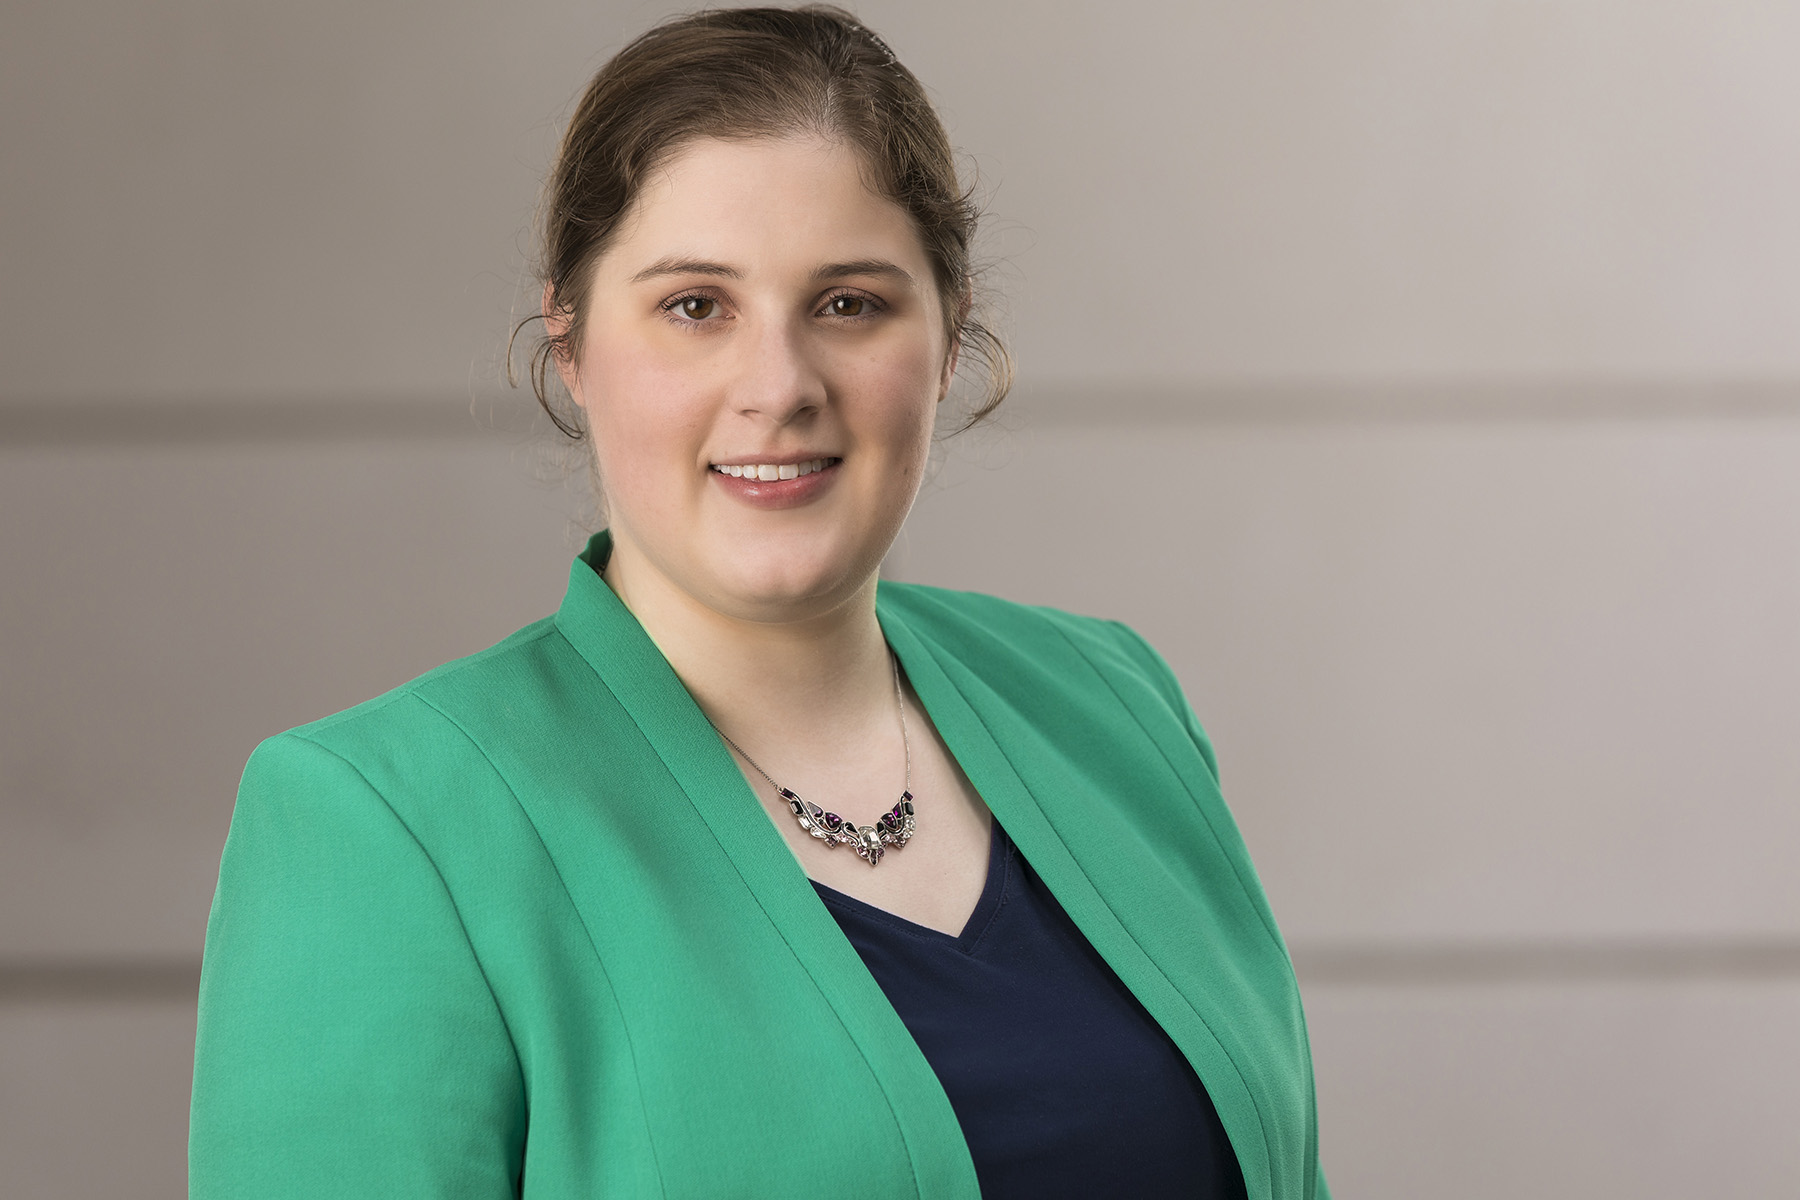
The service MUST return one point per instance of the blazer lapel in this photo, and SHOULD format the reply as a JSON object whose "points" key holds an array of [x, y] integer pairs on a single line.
{"points": [[964, 711], [606, 634]]}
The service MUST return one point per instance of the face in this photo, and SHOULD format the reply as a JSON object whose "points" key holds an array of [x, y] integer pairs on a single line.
{"points": [[762, 356]]}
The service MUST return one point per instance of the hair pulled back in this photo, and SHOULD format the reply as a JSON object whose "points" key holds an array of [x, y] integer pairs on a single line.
{"points": [[741, 74]]}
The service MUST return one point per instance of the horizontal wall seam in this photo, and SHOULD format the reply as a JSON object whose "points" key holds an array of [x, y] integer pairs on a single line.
{"points": [[95, 423], [162, 420], [1446, 401], [27, 981], [102, 979], [1549, 962]]}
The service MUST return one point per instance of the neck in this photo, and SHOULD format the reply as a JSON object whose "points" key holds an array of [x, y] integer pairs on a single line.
{"points": [[785, 685]]}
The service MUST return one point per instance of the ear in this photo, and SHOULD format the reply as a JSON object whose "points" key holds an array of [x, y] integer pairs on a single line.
{"points": [[950, 359], [556, 325]]}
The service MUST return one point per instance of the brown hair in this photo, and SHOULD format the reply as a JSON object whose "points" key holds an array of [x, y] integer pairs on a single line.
{"points": [[747, 73]]}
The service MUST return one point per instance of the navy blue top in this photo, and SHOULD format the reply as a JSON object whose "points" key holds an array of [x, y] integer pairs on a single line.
{"points": [[1063, 1084]]}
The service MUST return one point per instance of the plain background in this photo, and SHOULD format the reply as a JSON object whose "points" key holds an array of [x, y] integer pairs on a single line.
{"points": [[1422, 378]]}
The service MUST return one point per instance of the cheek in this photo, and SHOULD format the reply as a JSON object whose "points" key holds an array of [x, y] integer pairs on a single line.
{"points": [[904, 386], [633, 384], [647, 416]]}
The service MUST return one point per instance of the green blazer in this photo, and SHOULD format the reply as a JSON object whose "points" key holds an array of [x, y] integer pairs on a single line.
{"points": [[520, 927]]}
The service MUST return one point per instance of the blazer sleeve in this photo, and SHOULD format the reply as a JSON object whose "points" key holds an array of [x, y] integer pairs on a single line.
{"points": [[349, 1044]]}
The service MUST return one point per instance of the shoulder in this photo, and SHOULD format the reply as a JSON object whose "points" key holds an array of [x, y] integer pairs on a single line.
{"points": [[428, 713], [1091, 669], [506, 664], [429, 783], [427, 755], [988, 629], [409, 794]]}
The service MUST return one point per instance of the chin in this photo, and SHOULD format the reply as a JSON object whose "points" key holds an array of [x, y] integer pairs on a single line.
{"points": [[793, 582]]}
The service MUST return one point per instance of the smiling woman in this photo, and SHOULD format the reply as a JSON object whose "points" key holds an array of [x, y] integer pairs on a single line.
{"points": [[763, 308], [537, 924]]}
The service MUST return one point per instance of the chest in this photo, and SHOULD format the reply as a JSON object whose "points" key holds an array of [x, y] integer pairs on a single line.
{"points": [[1063, 1084], [936, 879], [693, 1003]]}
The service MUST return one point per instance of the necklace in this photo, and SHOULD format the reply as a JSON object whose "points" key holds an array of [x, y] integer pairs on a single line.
{"points": [[894, 828]]}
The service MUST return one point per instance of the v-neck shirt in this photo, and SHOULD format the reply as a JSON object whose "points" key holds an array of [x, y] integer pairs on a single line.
{"points": [[1063, 1083]]}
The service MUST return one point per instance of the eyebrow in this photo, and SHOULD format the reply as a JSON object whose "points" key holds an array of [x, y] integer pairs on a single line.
{"points": [[686, 266], [863, 266], [672, 265]]}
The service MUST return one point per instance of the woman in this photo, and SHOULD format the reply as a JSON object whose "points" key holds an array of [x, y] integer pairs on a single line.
{"points": [[544, 923]]}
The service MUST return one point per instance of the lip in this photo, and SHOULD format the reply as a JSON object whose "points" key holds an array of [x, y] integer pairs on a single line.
{"points": [[776, 493], [774, 460]]}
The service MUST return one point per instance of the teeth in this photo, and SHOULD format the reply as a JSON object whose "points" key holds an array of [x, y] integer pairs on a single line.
{"points": [[770, 472]]}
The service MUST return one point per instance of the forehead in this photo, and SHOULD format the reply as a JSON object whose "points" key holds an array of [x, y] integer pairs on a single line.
{"points": [[769, 202]]}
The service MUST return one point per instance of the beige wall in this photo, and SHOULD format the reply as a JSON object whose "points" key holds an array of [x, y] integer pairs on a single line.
{"points": [[1420, 378]]}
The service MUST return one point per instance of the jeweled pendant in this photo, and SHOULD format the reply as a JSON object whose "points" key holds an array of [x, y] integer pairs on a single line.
{"points": [[893, 828]]}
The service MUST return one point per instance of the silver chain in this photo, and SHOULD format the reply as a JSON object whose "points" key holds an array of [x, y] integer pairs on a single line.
{"points": [[893, 828]]}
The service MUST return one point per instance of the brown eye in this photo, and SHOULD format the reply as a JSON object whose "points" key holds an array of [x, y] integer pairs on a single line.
{"points": [[698, 308], [847, 306]]}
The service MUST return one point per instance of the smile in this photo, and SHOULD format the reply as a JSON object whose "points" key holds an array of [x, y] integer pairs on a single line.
{"points": [[771, 472]]}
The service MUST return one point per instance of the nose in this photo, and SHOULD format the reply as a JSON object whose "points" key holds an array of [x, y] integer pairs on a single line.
{"points": [[778, 380]]}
